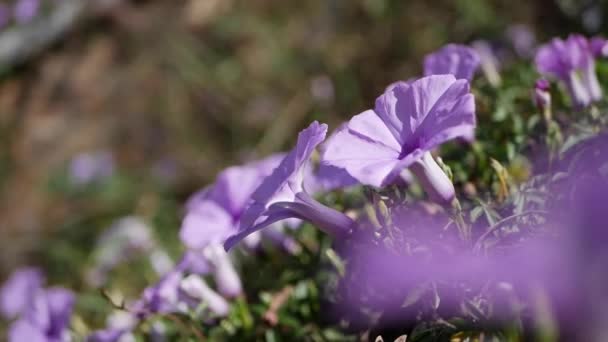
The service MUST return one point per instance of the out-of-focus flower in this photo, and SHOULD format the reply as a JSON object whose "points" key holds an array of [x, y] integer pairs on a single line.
{"points": [[26, 10], [18, 291], [571, 61], [175, 292], [214, 214], [118, 328], [322, 89], [408, 121], [126, 238], [458, 60], [599, 47], [5, 15], [89, 167], [46, 319], [522, 39], [489, 62], [196, 288], [282, 195]]}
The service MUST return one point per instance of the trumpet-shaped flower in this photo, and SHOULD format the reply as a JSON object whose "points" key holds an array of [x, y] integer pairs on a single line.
{"points": [[282, 195], [409, 120], [214, 215], [458, 60], [573, 62]]}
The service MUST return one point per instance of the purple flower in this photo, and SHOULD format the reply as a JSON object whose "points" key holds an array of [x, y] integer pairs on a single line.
{"points": [[125, 239], [599, 47], [176, 293], [282, 195], [489, 62], [46, 319], [5, 15], [458, 60], [572, 61], [523, 40], [214, 214], [19, 289], [89, 167], [408, 122], [26, 10], [327, 177]]}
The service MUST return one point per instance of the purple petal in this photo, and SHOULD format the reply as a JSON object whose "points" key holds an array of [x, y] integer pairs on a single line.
{"points": [[17, 292], [61, 303], [458, 60], [599, 47], [432, 178], [225, 275], [235, 185], [452, 116], [209, 223], [303, 207], [559, 58], [22, 330], [196, 288], [107, 335]]}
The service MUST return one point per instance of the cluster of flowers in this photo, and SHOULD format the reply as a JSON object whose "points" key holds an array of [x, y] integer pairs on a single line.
{"points": [[391, 144]]}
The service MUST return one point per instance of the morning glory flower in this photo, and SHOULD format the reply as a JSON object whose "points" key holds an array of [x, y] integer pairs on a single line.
{"points": [[214, 214], [571, 61], [46, 319], [282, 195], [408, 122], [458, 60]]}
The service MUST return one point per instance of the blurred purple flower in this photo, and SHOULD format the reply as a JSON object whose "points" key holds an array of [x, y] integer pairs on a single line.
{"points": [[46, 319], [408, 121], [214, 214], [522, 39], [599, 47], [18, 291], [572, 61], [89, 167], [489, 62], [125, 239], [282, 195], [26, 10], [458, 60], [5, 15], [178, 293]]}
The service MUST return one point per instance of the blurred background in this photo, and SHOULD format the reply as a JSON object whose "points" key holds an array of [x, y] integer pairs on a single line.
{"points": [[115, 107]]}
